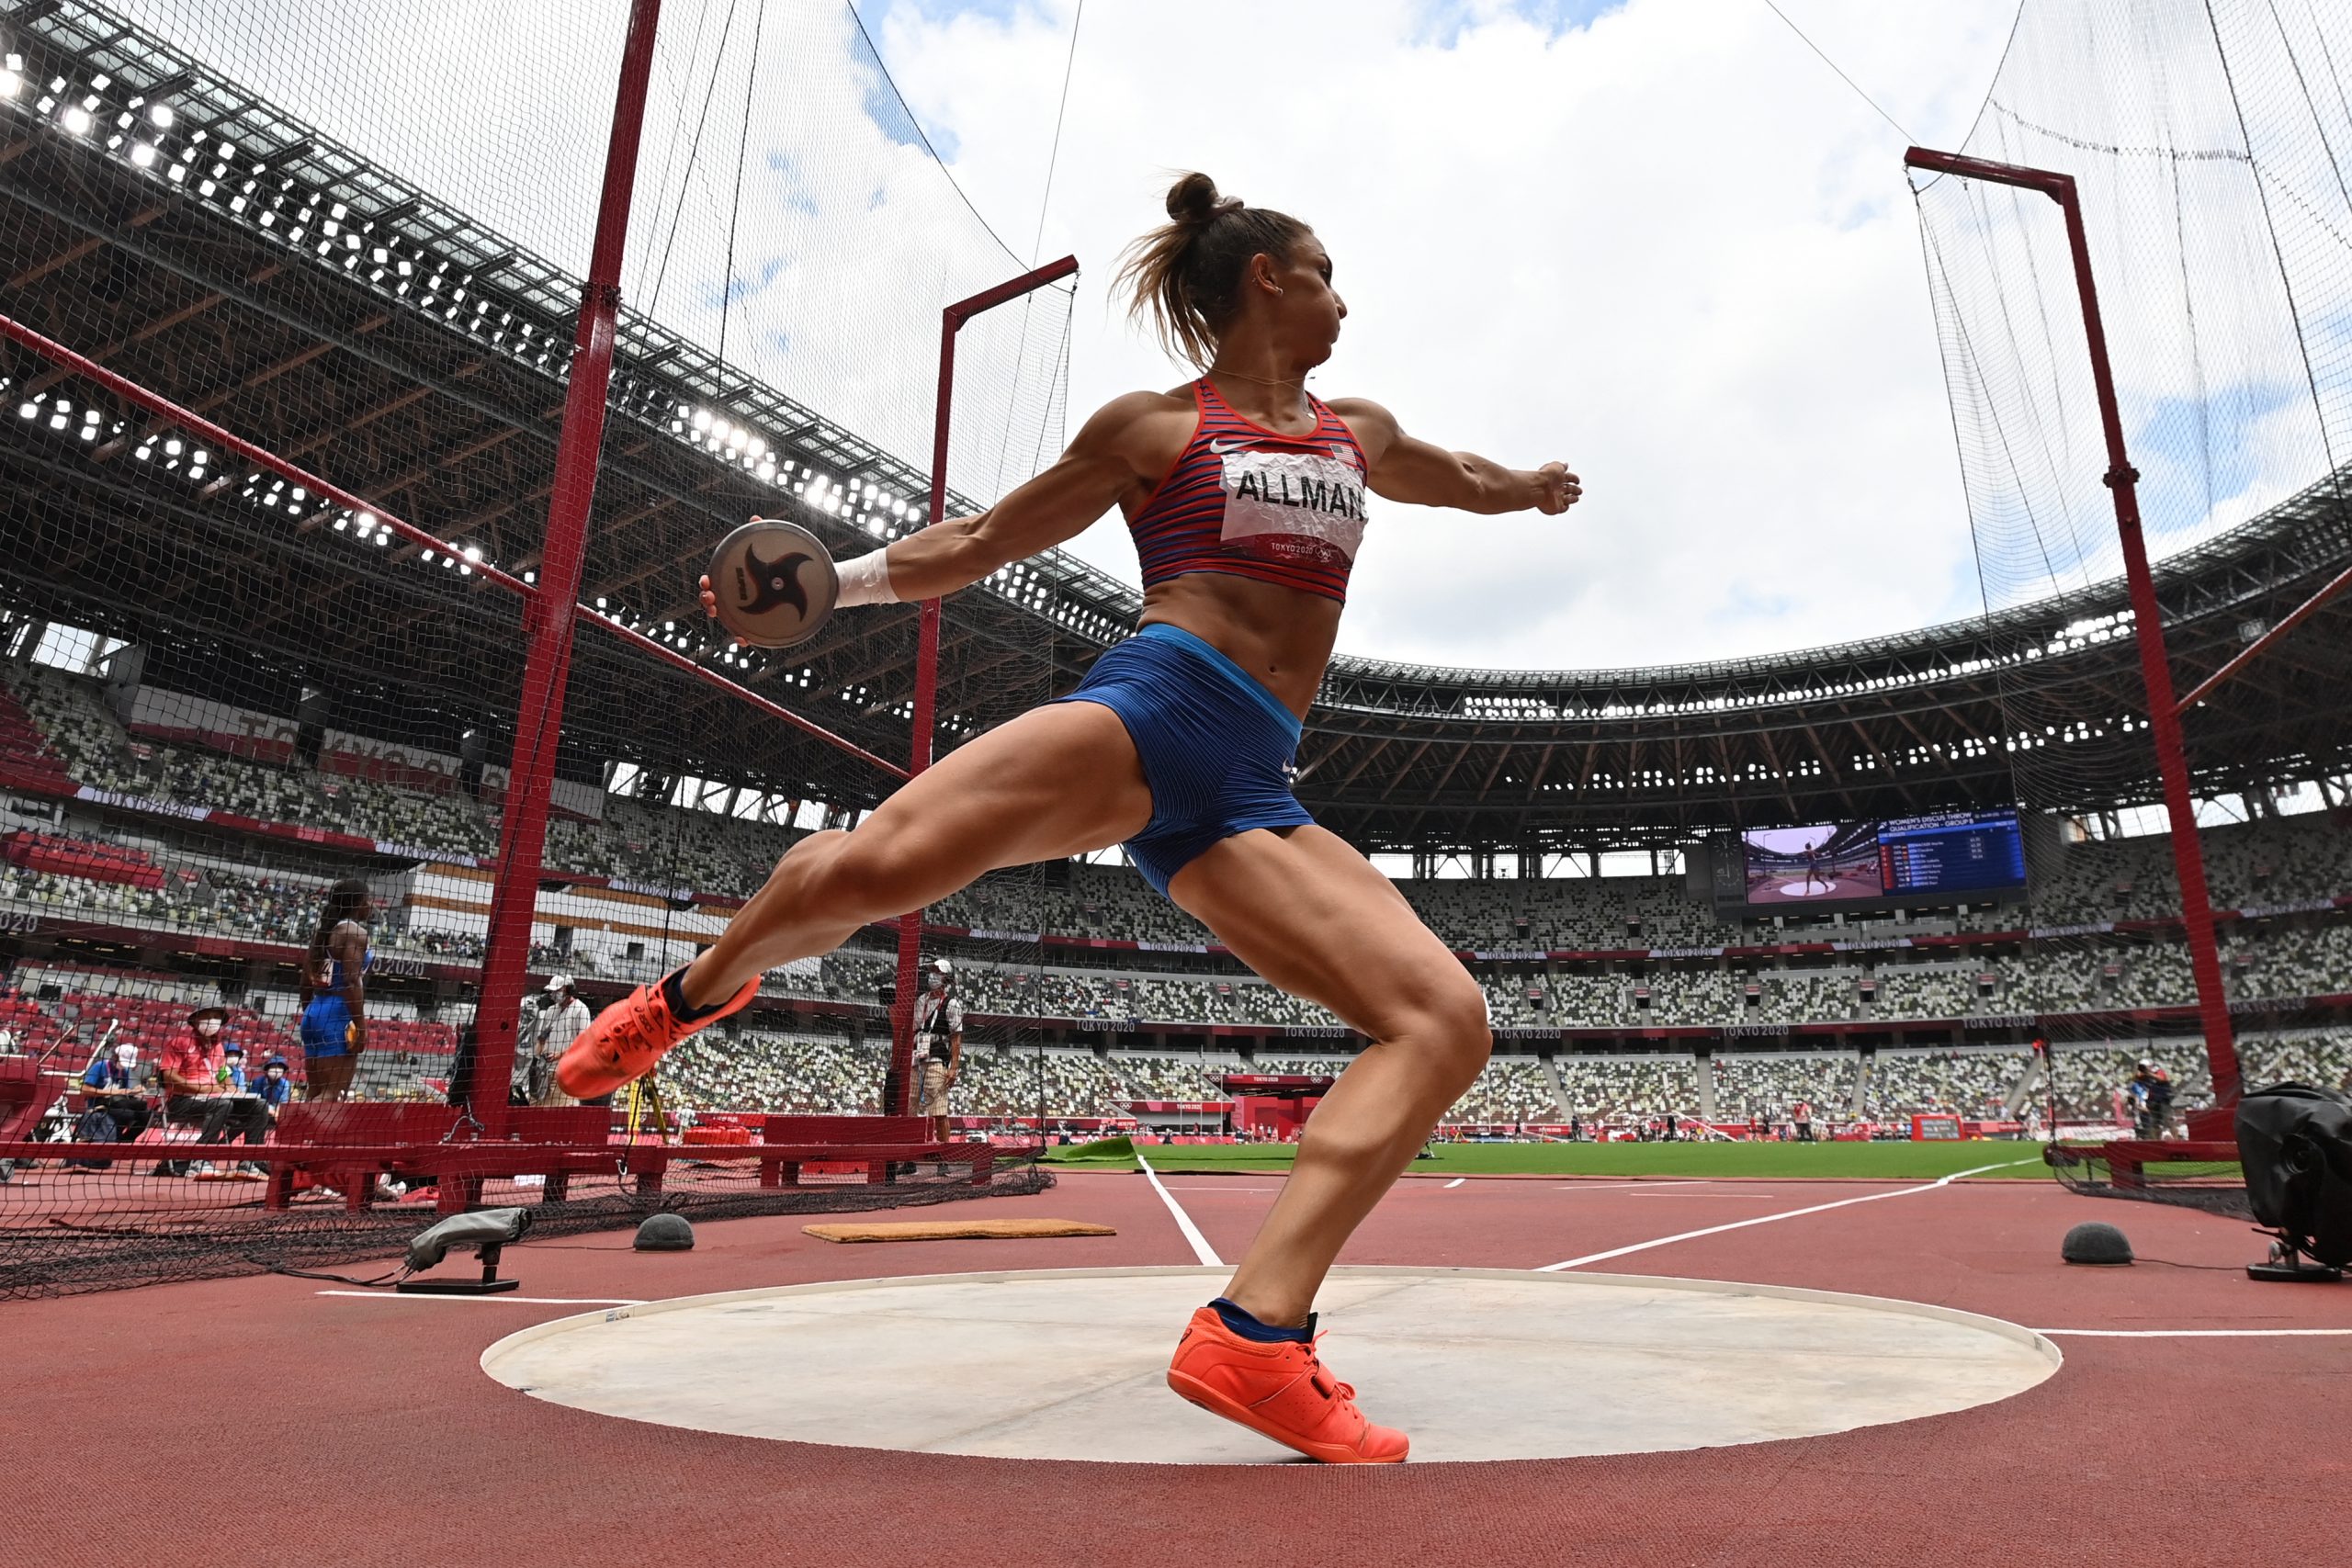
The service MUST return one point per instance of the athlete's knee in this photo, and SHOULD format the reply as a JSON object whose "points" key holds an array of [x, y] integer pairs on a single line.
{"points": [[1448, 1023], [867, 875]]}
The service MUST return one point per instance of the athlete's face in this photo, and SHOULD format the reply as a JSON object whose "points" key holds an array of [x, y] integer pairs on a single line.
{"points": [[1308, 303]]}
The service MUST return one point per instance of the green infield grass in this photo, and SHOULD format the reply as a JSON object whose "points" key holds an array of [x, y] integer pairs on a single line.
{"points": [[1886, 1162]]}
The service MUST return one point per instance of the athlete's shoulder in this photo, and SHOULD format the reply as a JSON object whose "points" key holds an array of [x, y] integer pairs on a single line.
{"points": [[1119, 422], [1362, 412], [1375, 428], [1142, 432], [1129, 406]]}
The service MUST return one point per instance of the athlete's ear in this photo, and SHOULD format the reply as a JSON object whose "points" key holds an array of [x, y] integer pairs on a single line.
{"points": [[1264, 273]]}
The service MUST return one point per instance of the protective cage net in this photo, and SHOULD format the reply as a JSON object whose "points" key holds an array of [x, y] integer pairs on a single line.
{"points": [[2210, 144], [2119, 1170], [225, 694]]}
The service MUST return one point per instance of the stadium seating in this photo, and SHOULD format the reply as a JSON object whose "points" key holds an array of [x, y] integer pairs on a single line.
{"points": [[1966, 1082], [58, 729]]}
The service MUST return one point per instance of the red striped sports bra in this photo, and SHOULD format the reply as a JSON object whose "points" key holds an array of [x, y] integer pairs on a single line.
{"points": [[1253, 502]]}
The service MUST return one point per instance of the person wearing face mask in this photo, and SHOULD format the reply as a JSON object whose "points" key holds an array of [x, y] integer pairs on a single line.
{"points": [[938, 1043], [194, 1069], [274, 1088], [111, 1085], [562, 1015]]}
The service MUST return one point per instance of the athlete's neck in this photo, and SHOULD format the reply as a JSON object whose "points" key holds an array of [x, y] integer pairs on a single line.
{"points": [[1261, 384]]}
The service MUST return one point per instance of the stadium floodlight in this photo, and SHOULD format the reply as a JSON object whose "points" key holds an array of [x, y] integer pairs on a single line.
{"points": [[75, 118], [143, 155], [161, 114], [11, 84]]}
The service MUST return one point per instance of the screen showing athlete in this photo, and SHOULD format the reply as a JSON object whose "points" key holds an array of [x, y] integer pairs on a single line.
{"points": [[1247, 501]]}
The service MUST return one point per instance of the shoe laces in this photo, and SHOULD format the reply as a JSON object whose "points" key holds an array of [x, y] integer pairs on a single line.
{"points": [[1322, 1378], [636, 1030]]}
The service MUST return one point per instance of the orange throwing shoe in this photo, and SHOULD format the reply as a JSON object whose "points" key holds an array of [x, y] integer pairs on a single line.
{"points": [[1279, 1391], [623, 1042]]}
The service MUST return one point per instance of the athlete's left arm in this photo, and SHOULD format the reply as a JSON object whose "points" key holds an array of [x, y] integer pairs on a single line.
{"points": [[1405, 468]]}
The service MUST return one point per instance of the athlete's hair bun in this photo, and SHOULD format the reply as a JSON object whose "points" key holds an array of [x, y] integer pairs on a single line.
{"points": [[1187, 273], [1193, 199]]}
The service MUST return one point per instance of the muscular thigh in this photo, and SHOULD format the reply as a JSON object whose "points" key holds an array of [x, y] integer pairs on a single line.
{"points": [[1310, 914], [1059, 781]]}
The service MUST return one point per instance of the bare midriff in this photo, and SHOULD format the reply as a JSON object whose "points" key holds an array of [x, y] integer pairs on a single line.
{"points": [[1282, 636]]}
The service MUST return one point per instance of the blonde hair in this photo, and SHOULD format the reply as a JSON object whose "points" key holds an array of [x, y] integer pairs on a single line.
{"points": [[1186, 275]]}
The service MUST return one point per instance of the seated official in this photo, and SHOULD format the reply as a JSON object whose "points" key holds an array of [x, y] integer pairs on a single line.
{"points": [[197, 1092], [274, 1088], [111, 1085]]}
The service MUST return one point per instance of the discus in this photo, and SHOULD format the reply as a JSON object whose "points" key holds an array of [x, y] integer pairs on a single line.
{"points": [[773, 583]]}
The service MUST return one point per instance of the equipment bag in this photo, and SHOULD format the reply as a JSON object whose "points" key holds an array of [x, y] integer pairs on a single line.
{"points": [[2296, 1142], [94, 1126]]}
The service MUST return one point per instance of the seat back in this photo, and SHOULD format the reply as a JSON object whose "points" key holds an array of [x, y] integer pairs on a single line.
{"points": [[26, 1092]]}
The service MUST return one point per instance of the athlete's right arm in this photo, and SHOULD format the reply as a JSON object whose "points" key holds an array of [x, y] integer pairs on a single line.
{"points": [[1109, 455], [1112, 454]]}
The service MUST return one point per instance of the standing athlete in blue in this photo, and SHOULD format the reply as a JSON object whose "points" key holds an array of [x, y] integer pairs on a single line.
{"points": [[1246, 498], [334, 992]]}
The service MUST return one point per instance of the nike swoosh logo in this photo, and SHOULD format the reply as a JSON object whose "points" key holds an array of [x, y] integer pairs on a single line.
{"points": [[1222, 447]]}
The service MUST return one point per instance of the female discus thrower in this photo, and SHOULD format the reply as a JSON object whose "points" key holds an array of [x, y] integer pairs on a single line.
{"points": [[1246, 497]]}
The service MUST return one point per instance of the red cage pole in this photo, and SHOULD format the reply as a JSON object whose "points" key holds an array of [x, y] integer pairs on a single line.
{"points": [[2156, 668], [549, 613], [897, 1091]]}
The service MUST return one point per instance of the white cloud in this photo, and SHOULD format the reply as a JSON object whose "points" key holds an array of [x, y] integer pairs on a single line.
{"points": [[1669, 246], [1671, 249]]}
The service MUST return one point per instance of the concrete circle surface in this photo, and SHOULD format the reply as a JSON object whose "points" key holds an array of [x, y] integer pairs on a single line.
{"points": [[1472, 1363]]}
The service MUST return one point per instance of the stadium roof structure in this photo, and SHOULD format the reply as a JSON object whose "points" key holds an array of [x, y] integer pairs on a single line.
{"points": [[335, 314]]}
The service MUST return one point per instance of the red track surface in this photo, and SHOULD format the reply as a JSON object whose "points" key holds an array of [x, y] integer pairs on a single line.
{"points": [[255, 1422]]}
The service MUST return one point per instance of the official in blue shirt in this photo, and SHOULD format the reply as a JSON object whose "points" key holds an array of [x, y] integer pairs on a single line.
{"points": [[273, 1087], [111, 1085]]}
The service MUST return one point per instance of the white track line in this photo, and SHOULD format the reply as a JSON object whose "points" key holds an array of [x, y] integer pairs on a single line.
{"points": [[2194, 1333], [1768, 1219], [390, 1295], [1201, 1251], [1455, 1182]]}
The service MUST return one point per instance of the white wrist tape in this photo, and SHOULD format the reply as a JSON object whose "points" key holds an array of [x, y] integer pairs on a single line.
{"points": [[866, 581]]}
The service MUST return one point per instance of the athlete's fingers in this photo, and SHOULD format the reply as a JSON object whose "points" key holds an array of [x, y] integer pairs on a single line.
{"points": [[710, 609]]}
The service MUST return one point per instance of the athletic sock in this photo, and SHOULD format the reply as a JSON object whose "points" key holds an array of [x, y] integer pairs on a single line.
{"points": [[675, 993], [1242, 1323]]}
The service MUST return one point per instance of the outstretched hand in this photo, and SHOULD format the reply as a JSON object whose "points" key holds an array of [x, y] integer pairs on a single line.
{"points": [[710, 608], [710, 602], [1556, 489]]}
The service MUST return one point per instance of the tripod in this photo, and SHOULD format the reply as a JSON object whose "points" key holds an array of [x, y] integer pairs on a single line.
{"points": [[645, 1107]]}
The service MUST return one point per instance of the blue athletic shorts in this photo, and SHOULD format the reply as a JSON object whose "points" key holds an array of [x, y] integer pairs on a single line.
{"points": [[1217, 746], [326, 1028]]}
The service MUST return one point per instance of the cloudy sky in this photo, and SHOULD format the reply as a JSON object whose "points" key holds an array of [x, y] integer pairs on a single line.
{"points": [[1657, 239]]}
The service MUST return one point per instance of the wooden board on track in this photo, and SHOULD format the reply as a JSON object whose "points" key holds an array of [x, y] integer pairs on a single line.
{"points": [[954, 1229]]}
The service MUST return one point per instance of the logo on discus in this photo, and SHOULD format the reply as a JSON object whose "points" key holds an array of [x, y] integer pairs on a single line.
{"points": [[761, 585]]}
